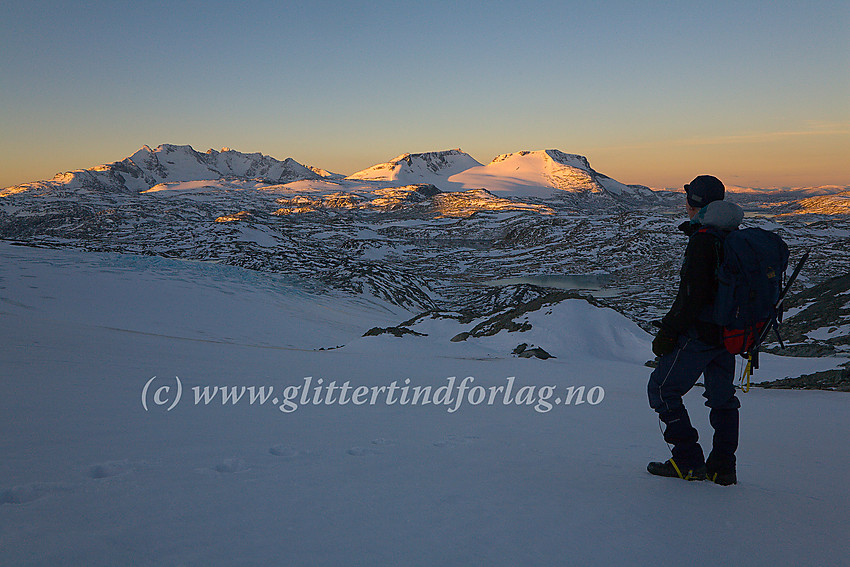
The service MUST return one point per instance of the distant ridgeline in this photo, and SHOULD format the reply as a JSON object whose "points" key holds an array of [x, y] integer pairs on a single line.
{"points": [[547, 174]]}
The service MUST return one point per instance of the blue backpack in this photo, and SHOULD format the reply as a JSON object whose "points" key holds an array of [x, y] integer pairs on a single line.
{"points": [[749, 285]]}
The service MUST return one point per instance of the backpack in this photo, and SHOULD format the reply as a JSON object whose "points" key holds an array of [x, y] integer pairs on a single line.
{"points": [[750, 283]]}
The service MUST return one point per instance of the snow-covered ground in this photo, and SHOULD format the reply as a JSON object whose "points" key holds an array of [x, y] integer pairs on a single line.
{"points": [[88, 476]]}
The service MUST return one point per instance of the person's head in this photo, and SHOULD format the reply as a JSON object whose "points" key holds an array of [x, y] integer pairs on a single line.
{"points": [[701, 191]]}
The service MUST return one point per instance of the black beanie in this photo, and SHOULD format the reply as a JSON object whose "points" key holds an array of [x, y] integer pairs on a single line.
{"points": [[703, 190]]}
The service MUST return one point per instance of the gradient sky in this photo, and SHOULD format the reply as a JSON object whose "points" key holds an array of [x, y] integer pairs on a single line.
{"points": [[757, 93]]}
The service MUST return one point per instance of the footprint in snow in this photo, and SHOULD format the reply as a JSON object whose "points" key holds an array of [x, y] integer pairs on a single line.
{"points": [[362, 451], [283, 451], [228, 466], [29, 492], [108, 469], [455, 441]]}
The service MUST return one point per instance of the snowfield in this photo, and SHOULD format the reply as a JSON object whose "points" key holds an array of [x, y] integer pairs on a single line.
{"points": [[88, 476]]}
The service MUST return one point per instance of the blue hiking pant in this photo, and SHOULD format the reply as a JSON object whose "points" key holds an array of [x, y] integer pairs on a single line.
{"points": [[675, 375]]}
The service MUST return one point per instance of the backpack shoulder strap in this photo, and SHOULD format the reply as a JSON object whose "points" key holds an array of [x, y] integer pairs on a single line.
{"points": [[721, 234]]}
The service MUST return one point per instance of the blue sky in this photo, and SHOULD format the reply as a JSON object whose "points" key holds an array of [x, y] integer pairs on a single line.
{"points": [[757, 93]]}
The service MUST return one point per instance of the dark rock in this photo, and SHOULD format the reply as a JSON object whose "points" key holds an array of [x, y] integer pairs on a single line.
{"points": [[838, 379], [395, 331], [460, 337], [535, 352]]}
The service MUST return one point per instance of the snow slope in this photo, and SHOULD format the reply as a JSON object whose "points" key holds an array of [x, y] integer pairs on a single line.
{"points": [[537, 174], [179, 298], [542, 174], [88, 476]]}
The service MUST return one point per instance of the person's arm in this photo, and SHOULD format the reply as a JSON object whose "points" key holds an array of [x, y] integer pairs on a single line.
{"points": [[697, 286]]}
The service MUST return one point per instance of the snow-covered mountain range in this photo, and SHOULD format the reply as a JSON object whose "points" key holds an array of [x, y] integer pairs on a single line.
{"points": [[428, 231], [169, 165], [546, 174], [543, 174]]}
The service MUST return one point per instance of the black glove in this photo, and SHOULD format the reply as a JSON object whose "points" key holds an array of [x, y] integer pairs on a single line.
{"points": [[664, 342]]}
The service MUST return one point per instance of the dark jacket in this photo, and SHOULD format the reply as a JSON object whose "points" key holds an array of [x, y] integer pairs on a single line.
{"points": [[691, 311]]}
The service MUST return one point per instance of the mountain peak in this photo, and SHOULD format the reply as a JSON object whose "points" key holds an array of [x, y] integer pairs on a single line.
{"points": [[426, 167], [545, 174], [170, 164], [554, 156]]}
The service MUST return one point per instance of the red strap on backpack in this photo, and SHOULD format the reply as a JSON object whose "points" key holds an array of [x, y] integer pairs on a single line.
{"points": [[739, 341]]}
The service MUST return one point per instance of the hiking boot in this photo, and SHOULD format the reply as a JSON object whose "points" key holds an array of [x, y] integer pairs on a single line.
{"points": [[671, 469], [722, 478], [720, 468]]}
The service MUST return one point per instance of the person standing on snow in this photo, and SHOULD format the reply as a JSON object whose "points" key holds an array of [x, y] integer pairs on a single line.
{"points": [[689, 344]]}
